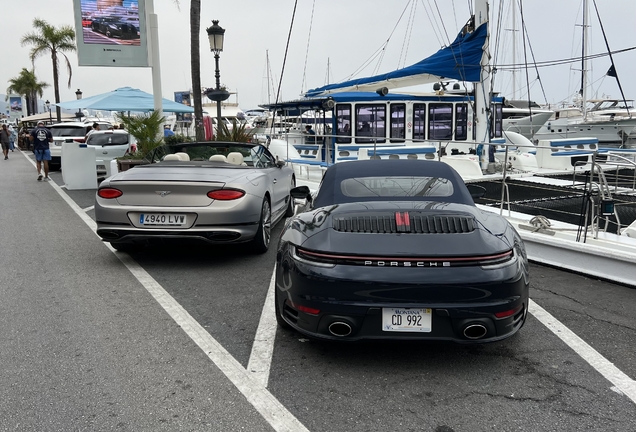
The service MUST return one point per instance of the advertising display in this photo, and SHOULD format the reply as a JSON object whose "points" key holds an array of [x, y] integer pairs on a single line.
{"points": [[15, 107], [111, 33], [183, 98]]}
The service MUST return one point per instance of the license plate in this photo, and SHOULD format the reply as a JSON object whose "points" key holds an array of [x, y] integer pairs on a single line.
{"points": [[162, 219], [407, 320]]}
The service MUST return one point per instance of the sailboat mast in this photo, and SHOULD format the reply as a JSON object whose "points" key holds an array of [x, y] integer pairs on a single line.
{"points": [[584, 61], [269, 96], [482, 88], [514, 49]]}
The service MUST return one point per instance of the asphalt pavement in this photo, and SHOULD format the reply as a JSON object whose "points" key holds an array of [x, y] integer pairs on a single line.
{"points": [[89, 341]]}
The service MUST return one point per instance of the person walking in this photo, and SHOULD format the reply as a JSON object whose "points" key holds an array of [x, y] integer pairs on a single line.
{"points": [[41, 137], [5, 141], [13, 138]]}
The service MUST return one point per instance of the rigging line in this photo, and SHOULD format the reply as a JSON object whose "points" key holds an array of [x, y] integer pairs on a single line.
{"points": [[282, 72], [311, 23], [525, 29], [390, 36], [548, 63], [498, 42], [379, 52], [434, 25], [407, 34], [442, 21], [525, 59], [613, 68]]}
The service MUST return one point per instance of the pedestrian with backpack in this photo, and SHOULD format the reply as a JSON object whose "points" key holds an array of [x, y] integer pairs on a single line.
{"points": [[41, 137]]}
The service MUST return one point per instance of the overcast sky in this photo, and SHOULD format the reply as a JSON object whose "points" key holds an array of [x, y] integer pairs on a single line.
{"points": [[342, 36]]}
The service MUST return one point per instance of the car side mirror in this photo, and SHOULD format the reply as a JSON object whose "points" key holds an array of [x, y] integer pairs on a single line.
{"points": [[476, 191], [280, 163], [301, 192]]}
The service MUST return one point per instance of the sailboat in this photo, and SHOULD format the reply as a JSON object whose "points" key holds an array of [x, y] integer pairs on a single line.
{"points": [[409, 126], [610, 121]]}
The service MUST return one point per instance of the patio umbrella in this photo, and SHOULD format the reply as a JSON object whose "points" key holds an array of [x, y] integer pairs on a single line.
{"points": [[125, 99]]}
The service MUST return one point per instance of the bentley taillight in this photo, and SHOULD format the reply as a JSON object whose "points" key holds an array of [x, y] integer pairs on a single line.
{"points": [[226, 194], [109, 193]]}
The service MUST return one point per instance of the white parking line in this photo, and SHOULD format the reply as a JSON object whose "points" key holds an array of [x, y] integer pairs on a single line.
{"points": [[625, 384], [89, 208], [256, 394], [263, 348]]}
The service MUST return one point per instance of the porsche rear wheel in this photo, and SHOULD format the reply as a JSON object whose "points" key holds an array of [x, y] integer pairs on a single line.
{"points": [[290, 204], [260, 244]]}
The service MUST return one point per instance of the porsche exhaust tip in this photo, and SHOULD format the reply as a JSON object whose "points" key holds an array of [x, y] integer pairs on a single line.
{"points": [[475, 331], [340, 329]]}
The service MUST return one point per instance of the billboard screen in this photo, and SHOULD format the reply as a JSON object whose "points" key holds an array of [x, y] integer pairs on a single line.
{"points": [[183, 98], [111, 32], [15, 107]]}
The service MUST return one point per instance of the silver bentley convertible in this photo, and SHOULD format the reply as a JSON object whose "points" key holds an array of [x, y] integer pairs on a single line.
{"points": [[216, 192]]}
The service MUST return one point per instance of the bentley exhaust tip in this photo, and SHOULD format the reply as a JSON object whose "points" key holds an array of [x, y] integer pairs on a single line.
{"points": [[340, 329], [475, 331]]}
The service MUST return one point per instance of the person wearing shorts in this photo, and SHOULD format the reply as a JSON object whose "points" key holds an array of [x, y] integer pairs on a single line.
{"points": [[41, 137], [5, 140]]}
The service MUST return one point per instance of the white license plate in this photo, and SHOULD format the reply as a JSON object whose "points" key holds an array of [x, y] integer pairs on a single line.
{"points": [[161, 219], [407, 320]]}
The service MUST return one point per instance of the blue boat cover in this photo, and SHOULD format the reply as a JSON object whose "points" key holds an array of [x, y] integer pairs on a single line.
{"points": [[460, 60]]}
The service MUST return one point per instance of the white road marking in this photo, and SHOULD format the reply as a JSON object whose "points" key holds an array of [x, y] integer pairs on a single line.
{"points": [[621, 381], [256, 394], [89, 208], [263, 347]]}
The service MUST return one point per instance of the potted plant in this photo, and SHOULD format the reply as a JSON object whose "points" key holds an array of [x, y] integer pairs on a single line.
{"points": [[238, 133], [147, 130]]}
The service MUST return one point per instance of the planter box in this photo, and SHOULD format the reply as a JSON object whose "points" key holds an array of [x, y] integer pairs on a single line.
{"points": [[126, 164]]}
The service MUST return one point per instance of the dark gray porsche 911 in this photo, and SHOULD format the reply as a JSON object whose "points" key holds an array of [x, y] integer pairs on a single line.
{"points": [[397, 249], [218, 192]]}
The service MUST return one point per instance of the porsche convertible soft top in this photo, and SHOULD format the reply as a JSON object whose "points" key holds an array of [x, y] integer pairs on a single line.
{"points": [[366, 180]]}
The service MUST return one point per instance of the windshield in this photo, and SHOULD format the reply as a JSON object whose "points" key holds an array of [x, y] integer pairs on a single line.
{"points": [[68, 131], [396, 187], [107, 139]]}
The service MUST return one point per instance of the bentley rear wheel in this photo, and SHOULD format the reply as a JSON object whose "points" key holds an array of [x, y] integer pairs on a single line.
{"points": [[290, 204], [260, 244]]}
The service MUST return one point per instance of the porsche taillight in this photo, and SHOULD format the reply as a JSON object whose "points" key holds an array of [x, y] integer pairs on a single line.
{"points": [[109, 193], [226, 194]]}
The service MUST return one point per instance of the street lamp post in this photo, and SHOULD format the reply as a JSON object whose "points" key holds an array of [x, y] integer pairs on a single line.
{"points": [[47, 104], [79, 113], [216, 34]]}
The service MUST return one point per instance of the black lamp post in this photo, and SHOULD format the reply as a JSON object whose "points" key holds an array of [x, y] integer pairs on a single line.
{"points": [[47, 104], [79, 113], [216, 35]]}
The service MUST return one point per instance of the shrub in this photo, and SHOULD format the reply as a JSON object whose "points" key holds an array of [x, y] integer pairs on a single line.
{"points": [[146, 128]]}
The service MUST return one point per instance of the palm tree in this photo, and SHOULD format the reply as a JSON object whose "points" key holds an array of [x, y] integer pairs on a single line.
{"points": [[27, 85], [56, 41], [195, 66]]}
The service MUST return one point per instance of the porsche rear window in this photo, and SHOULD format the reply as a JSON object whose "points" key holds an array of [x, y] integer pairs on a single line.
{"points": [[407, 186]]}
